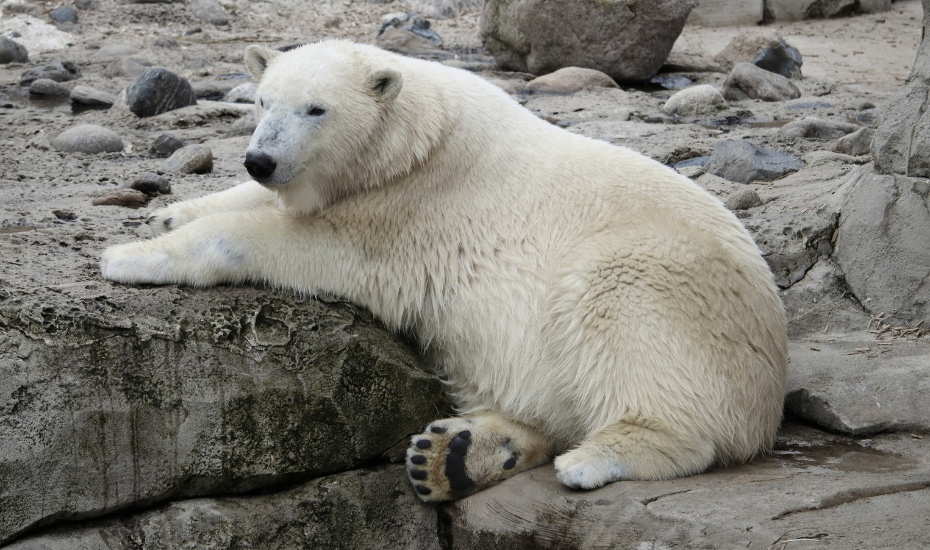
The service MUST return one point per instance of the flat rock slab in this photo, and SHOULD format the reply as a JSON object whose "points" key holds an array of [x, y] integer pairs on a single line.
{"points": [[743, 162], [859, 385], [813, 489], [361, 510]]}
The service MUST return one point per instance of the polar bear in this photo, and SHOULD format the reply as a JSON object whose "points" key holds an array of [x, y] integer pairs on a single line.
{"points": [[584, 302]]}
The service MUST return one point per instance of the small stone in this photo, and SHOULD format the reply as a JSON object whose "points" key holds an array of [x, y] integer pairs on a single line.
{"points": [[129, 198], [209, 11], [697, 100], [869, 117], [415, 23], [193, 159], [59, 71], [151, 184], [816, 128], [691, 171], [744, 199], [85, 5], [857, 143], [12, 52], [332, 23], [245, 126], [192, 30], [570, 80], [86, 95], [88, 138], [405, 42], [758, 83], [763, 48], [243, 93], [158, 91], [165, 42], [46, 87], [165, 145], [743, 162], [126, 68], [864, 105], [64, 14]]}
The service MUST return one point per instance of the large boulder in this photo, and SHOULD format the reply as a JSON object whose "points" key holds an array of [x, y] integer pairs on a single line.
{"points": [[626, 39], [113, 397], [902, 142], [882, 245]]}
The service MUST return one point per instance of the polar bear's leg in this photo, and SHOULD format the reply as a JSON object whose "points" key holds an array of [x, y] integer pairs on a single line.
{"points": [[245, 195], [634, 448], [458, 456]]}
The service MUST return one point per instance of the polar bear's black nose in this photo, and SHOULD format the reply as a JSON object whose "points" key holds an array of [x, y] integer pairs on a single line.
{"points": [[259, 165]]}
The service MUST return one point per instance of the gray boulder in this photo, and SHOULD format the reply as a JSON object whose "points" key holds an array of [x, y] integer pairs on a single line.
{"points": [[758, 83], [209, 11], [763, 48], [59, 71], [165, 145], [625, 40], [158, 91], [902, 142], [88, 138], [743, 162], [114, 396], [882, 245], [817, 128], [12, 52]]}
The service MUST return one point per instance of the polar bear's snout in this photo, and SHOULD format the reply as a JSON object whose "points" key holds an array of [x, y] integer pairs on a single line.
{"points": [[260, 165]]}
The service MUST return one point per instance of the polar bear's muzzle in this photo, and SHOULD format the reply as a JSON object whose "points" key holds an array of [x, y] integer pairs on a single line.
{"points": [[260, 166]]}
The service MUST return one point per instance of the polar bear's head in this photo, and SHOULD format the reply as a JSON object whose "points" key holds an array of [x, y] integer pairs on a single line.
{"points": [[328, 116]]}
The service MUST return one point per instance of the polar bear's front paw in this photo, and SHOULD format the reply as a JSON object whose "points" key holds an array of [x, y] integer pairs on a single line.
{"points": [[458, 456], [134, 263], [170, 217], [580, 469]]}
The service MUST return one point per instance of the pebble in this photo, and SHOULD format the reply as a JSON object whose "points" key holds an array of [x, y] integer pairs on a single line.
{"points": [[64, 14], [864, 106], [816, 128], [569, 80], [12, 52], [85, 5], [165, 42], [245, 126], [165, 145], [857, 143], [193, 159], [671, 82], [46, 87], [129, 198], [869, 117], [697, 100], [59, 71], [209, 11], [88, 138], [243, 93], [743, 162], [158, 91], [758, 83], [86, 95], [743, 199], [151, 184], [206, 89]]}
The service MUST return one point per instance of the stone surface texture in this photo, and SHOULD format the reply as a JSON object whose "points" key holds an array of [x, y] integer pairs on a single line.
{"points": [[857, 143], [88, 138], [12, 51], [696, 100], [193, 159], [209, 11], [757, 83], [129, 198], [882, 245], [91, 96], [625, 39], [571, 79], [157, 91], [47, 87], [818, 128], [902, 142], [743, 162]]}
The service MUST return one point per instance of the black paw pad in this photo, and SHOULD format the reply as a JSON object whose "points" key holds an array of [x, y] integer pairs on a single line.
{"points": [[455, 465], [423, 490], [438, 430], [419, 475], [511, 462], [465, 434], [418, 459], [424, 444], [167, 222]]}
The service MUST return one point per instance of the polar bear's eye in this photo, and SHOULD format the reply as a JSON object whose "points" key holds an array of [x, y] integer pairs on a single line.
{"points": [[316, 111]]}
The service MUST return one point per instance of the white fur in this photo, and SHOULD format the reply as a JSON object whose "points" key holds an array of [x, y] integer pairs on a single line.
{"points": [[575, 287]]}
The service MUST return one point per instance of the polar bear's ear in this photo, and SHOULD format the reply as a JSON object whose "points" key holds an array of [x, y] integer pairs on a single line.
{"points": [[386, 84], [257, 59]]}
